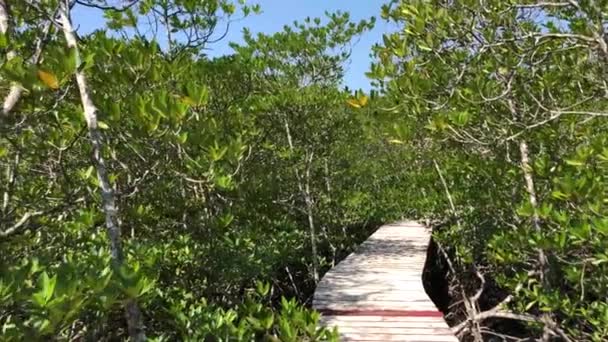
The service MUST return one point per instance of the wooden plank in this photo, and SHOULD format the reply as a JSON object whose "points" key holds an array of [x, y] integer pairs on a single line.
{"points": [[432, 313], [380, 307], [392, 330], [391, 318], [400, 338], [345, 326], [340, 321], [383, 297], [372, 293], [376, 293], [403, 282]]}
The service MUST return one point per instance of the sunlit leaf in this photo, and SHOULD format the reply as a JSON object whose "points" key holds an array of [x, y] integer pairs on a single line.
{"points": [[187, 100], [363, 100], [353, 103], [48, 79]]}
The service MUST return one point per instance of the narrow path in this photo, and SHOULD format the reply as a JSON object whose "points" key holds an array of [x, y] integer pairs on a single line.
{"points": [[376, 293]]}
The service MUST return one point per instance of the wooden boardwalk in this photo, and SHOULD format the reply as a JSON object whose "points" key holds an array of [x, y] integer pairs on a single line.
{"points": [[376, 293]]}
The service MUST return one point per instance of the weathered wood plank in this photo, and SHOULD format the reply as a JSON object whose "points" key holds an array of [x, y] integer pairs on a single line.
{"points": [[399, 338], [377, 318], [376, 293], [392, 330]]}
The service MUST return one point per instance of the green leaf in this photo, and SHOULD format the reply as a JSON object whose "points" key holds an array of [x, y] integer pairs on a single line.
{"points": [[89, 62], [526, 210], [89, 172], [224, 182], [574, 162], [46, 288], [423, 47], [3, 41], [287, 332], [262, 288], [255, 323], [183, 137], [72, 62], [268, 320], [216, 153]]}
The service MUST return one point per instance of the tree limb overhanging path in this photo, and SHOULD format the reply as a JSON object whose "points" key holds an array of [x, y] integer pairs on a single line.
{"points": [[376, 293]]}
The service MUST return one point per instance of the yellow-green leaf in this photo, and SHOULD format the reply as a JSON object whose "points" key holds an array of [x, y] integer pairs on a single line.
{"points": [[358, 102], [48, 79], [353, 103], [424, 47], [187, 100], [363, 100]]}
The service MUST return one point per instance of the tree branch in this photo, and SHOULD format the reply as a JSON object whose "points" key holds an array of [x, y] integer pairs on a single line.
{"points": [[24, 219]]}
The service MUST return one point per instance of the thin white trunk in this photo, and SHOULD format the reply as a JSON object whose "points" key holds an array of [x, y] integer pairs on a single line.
{"points": [[132, 311], [311, 222], [15, 92], [327, 179], [447, 190], [305, 193], [11, 170], [470, 303], [4, 17], [527, 170], [542, 258]]}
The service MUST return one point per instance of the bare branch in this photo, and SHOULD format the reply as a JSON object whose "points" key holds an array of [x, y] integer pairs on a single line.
{"points": [[556, 114], [574, 112], [544, 4], [24, 219], [129, 4]]}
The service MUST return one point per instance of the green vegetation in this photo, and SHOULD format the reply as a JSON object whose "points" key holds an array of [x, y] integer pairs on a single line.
{"points": [[508, 101], [152, 193]]}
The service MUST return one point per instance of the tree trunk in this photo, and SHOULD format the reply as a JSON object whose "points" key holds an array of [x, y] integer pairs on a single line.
{"points": [[305, 193], [527, 170], [15, 92], [132, 311], [311, 221], [327, 179], [542, 258]]}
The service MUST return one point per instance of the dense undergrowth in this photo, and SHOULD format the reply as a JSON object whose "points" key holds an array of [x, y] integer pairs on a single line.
{"points": [[151, 192]]}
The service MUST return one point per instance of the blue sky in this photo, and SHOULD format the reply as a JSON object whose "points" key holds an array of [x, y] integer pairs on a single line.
{"points": [[276, 14]]}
